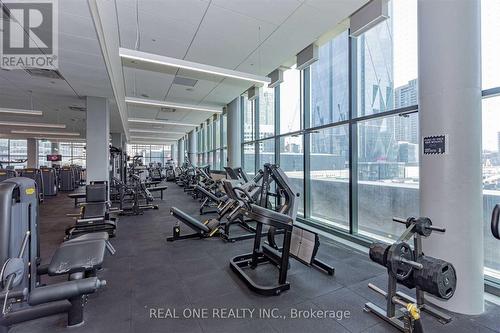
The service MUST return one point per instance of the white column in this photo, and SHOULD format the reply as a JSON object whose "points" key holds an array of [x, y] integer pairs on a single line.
{"points": [[32, 151], [97, 139], [180, 151], [234, 133], [192, 151], [449, 63]]}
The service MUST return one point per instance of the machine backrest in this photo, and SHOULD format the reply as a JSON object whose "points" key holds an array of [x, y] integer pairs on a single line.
{"points": [[19, 214], [495, 225], [96, 192], [7, 173]]}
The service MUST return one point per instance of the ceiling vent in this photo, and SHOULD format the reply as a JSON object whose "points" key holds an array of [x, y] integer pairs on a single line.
{"points": [[184, 81], [77, 108], [45, 73], [168, 109]]}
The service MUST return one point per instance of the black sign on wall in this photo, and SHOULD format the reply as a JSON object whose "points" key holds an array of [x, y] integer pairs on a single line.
{"points": [[434, 145]]}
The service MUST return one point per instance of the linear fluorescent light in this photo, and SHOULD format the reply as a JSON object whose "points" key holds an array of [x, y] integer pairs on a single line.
{"points": [[165, 104], [151, 131], [161, 122], [194, 66], [22, 112], [16, 123], [147, 142], [45, 133], [62, 139], [151, 138]]}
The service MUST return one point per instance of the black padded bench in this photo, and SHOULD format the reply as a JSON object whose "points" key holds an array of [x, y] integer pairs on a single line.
{"points": [[77, 196], [160, 189]]}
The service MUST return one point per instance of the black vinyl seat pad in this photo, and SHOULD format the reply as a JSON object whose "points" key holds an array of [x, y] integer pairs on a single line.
{"points": [[78, 256]]}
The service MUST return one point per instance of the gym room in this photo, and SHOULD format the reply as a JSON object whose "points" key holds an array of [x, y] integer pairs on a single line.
{"points": [[249, 166]]}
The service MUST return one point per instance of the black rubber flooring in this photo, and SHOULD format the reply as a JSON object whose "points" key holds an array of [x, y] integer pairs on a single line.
{"points": [[192, 277]]}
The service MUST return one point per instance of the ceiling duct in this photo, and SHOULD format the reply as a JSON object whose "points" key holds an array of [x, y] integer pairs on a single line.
{"points": [[369, 16], [307, 56], [45, 73], [276, 77], [184, 81], [77, 108]]}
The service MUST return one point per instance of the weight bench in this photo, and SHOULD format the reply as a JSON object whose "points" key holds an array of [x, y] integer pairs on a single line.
{"points": [[202, 230], [160, 189], [77, 196]]}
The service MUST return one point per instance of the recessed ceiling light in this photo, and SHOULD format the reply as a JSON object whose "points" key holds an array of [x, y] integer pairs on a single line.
{"points": [[21, 124], [22, 112]]}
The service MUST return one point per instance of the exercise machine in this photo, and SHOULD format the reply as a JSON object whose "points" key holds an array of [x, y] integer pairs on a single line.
{"points": [[298, 243], [50, 185], [7, 173], [96, 214], [411, 268], [36, 175], [495, 224], [22, 296]]}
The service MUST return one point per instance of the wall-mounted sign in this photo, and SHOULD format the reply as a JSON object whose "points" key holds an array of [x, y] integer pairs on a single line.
{"points": [[433, 145], [54, 158]]}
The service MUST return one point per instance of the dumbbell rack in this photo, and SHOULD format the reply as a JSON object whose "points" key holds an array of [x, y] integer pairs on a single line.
{"points": [[392, 315]]}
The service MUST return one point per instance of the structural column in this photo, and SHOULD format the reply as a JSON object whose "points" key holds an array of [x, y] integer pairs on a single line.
{"points": [[55, 151], [97, 139], [234, 133], [180, 151], [449, 63], [192, 148], [173, 153], [32, 151], [117, 140]]}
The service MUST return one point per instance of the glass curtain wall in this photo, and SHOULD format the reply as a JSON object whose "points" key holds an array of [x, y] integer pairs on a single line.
{"points": [[490, 51], [13, 151], [346, 129]]}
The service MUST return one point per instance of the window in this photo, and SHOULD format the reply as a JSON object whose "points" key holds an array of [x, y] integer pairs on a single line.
{"points": [[330, 83], [387, 61], [249, 158], [491, 181], [290, 97], [490, 51], [266, 152], [150, 153], [387, 170], [248, 120], [266, 112], [13, 151], [292, 163], [329, 172]]}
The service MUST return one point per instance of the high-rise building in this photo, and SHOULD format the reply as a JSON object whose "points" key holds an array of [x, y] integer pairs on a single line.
{"points": [[406, 128]]}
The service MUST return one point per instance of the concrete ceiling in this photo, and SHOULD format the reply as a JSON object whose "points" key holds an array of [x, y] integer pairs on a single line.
{"points": [[249, 36]]}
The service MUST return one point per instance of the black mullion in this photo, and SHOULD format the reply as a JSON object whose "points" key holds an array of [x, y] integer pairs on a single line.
{"points": [[353, 139]]}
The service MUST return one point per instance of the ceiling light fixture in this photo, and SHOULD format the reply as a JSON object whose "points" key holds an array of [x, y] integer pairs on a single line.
{"points": [[16, 123], [139, 56], [161, 122], [164, 104], [45, 133], [22, 112], [151, 138], [151, 131]]}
